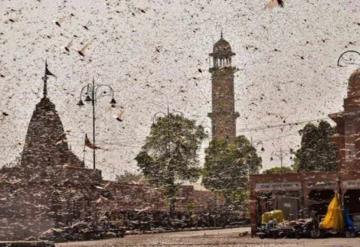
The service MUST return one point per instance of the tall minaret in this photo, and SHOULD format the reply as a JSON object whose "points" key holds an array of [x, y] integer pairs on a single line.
{"points": [[223, 115]]}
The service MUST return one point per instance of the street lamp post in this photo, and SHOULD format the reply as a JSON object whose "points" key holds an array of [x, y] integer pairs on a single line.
{"points": [[91, 93], [342, 55]]}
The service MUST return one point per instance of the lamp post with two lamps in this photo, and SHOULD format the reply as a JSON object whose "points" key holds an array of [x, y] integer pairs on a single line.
{"points": [[342, 58], [91, 93]]}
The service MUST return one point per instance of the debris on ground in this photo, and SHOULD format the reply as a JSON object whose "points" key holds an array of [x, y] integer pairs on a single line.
{"points": [[301, 228], [83, 230], [26, 244], [243, 234]]}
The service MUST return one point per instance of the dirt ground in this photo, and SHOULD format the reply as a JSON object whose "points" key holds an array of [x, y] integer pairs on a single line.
{"points": [[224, 237]]}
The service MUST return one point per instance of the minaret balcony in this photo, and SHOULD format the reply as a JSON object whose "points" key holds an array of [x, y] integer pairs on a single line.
{"points": [[225, 69]]}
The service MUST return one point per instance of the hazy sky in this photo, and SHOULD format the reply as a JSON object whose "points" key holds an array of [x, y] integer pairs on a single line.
{"points": [[151, 53]]}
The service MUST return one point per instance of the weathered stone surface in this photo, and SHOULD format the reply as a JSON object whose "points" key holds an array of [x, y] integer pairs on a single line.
{"points": [[145, 197], [46, 132]]}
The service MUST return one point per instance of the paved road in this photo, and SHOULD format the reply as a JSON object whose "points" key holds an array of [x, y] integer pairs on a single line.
{"points": [[223, 237]]}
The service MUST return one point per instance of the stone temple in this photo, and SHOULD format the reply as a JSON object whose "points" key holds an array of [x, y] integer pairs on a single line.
{"points": [[46, 132], [51, 189]]}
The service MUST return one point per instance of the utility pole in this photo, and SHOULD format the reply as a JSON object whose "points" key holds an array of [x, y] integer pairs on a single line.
{"points": [[93, 99], [281, 154]]}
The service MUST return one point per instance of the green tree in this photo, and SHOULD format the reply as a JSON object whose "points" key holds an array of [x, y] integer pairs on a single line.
{"points": [[129, 177], [228, 165], [170, 154], [317, 151], [278, 170]]}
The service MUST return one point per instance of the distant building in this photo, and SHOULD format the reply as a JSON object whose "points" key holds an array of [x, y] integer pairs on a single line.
{"points": [[223, 115], [307, 194]]}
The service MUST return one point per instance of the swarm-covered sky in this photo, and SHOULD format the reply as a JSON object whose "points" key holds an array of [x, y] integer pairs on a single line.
{"points": [[155, 52]]}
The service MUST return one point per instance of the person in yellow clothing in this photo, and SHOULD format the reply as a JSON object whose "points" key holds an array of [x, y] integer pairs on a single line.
{"points": [[334, 219]]}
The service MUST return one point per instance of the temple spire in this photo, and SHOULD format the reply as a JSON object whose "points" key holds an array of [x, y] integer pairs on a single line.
{"points": [[45, 78]]}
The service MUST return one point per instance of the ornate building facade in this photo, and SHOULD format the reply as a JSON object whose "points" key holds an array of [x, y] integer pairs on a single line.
{"points": [[347, 135]]}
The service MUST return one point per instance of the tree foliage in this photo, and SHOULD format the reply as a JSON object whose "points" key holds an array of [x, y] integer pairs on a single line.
{"points": [[170, 154], [129, 177], [278, 170], [228, 165], [317, 151]]}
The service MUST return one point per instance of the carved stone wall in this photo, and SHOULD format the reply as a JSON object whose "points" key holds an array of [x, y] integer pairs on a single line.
{"points": [[141, 196]]}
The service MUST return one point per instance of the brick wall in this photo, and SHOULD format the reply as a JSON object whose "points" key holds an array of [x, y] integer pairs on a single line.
{"points": [[142, 196]]}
